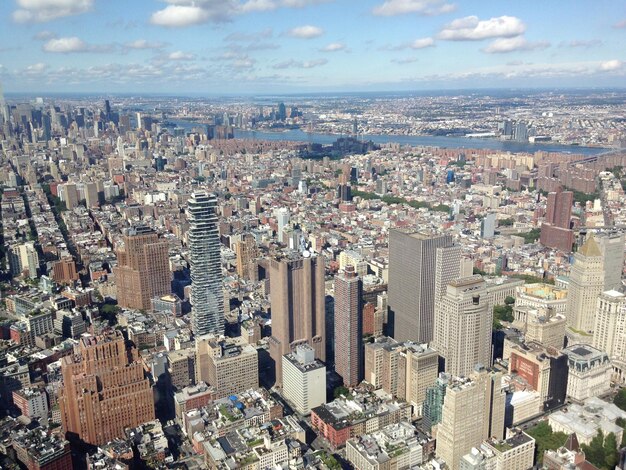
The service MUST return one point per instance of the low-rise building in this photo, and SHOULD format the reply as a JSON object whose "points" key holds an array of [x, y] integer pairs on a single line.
{"points": [[395, 446]]}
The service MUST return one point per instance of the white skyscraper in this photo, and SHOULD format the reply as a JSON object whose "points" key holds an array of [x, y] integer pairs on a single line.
{"points": [[463, 322], [207, 297], [282, 216]]}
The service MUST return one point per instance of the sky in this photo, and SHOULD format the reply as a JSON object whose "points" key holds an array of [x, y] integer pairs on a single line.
{"points": [[289, 46]]}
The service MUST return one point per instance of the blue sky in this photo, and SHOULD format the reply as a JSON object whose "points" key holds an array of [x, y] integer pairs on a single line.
{"points": [[269, 46]]}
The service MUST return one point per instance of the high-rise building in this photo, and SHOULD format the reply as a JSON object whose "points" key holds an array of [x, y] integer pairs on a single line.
{"points": [[612, 248], [143, 269], [413, 258], [246, 252], [207, 296], [586, 283], [609, 332], [282, 219], [473, 411], [91, 194], [404, 370], [348, 327], [297, 291], [488, 226], [555, 231], [23, 258], [589, 372], [433, 401], [69, 195], [304, 379], [104, 389], [463, 323], [229, 365]]}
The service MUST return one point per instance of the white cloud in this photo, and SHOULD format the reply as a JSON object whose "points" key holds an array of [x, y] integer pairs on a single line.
{"points": [[74, 44], [517, 43], [581, 43], [620, 24], [39, 11], [36, 68], [144, 44], [66, 45], [405, 60], [176, 16], [305, 32], [422, 43], [180, 55], [308, 64], [334, 47], [611, 65], [252, 36], [471, 28], [44, 35], [403, 7]]}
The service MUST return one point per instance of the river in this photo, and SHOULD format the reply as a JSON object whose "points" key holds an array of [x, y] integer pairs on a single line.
{"points": [[297, 135]]}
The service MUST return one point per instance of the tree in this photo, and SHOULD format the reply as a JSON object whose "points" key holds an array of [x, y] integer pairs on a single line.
{"points": [[621, 422], [620, 399], [611, 457], [545, 439], [509, 300], [341, 391], [594, 452]]}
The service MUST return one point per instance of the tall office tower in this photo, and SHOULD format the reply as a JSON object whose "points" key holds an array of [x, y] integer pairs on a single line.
{"points": [[282, 218], [555, 231], [298, 306], [586, 283], [23, 258], [70, 195], [139, 121], [473, 410], [612, 247], [521, 132], [91, 195], [104, 390], [609, 332], [433, 401], [488, 226], [207, 296], [412, 292], [463, 322], [348, 326], [246, 252], [404, 370], [143, 269]]}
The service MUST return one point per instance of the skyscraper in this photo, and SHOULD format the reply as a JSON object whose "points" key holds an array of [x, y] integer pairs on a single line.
{"points": [[104, 390], [246, 252], [143, 269], [297, 293], [473, 410], [555, 231], [609, 332], [282, 217], [612, 247], [413, 259], [348, 326], [586, 283], [207, 296], [463, 323]]}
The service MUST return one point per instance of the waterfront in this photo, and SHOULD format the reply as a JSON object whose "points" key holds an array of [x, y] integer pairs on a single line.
{"points": [[297, 135]]}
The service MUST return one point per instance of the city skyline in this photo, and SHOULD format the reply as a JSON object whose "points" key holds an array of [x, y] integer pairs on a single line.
{"points": [[265, 46]]}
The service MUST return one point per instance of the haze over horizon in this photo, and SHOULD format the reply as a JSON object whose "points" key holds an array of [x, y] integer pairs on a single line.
{"points": [[180, 47]]}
